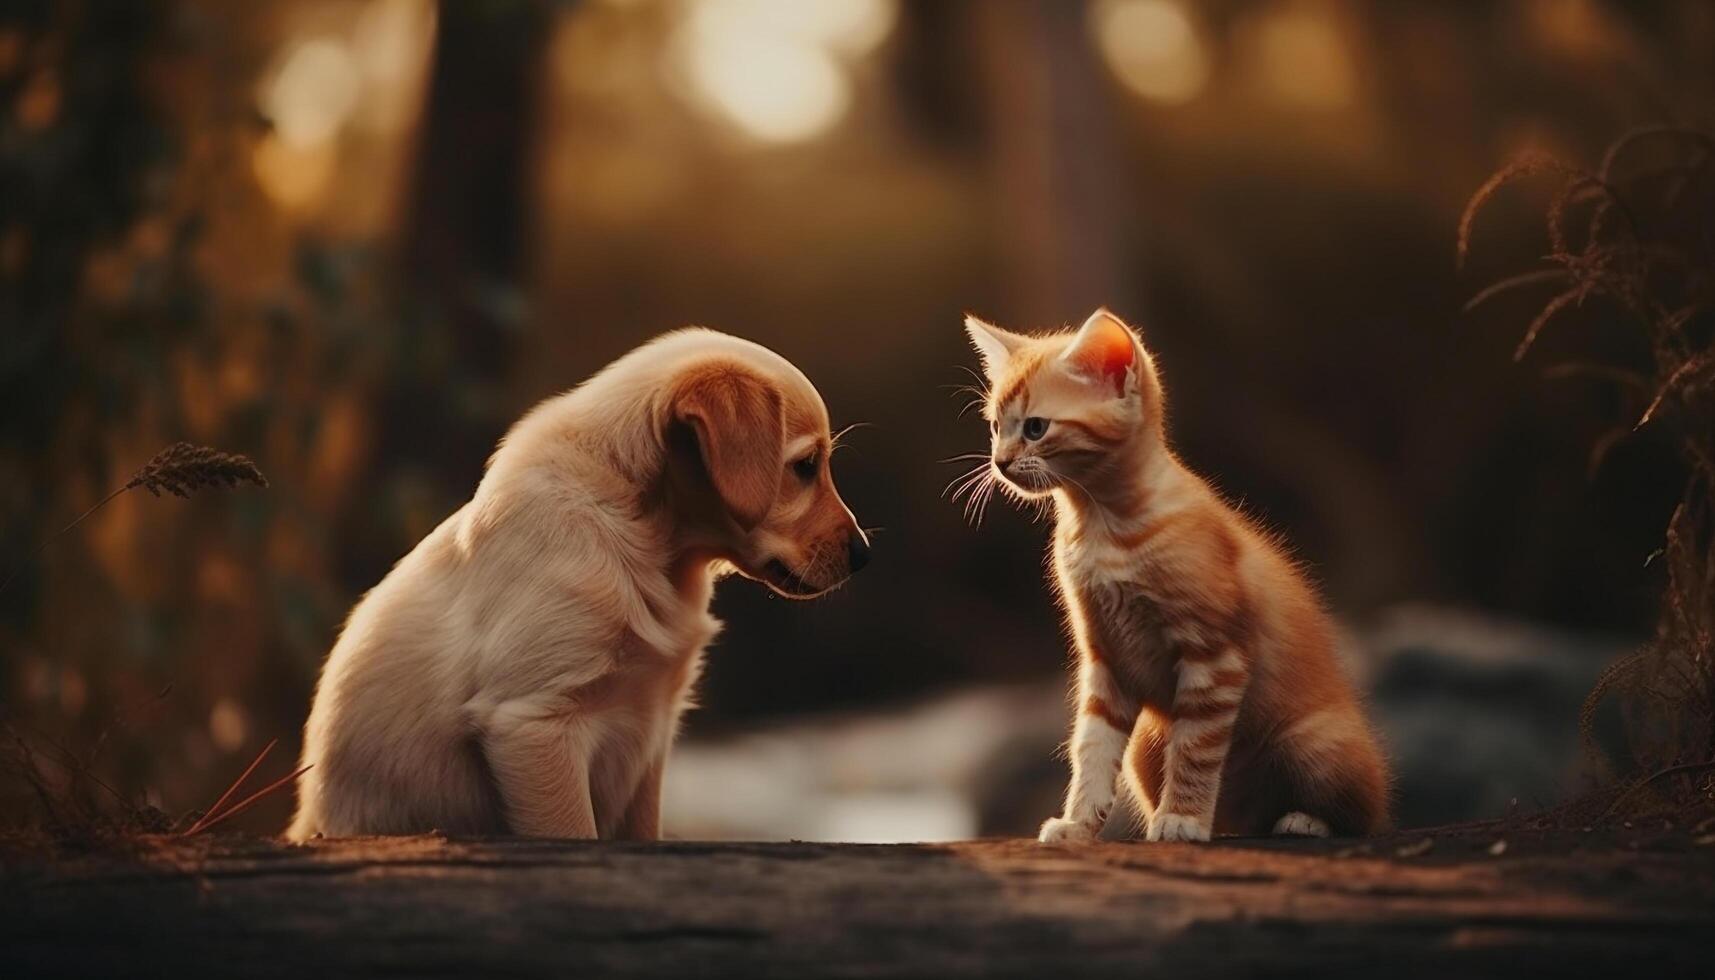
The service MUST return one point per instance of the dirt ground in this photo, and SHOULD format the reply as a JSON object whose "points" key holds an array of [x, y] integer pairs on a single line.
{"points": [[1467, 902]]}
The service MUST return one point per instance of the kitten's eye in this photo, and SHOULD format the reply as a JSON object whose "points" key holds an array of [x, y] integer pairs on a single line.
{"points": [[806, 467], [1035, 428]]}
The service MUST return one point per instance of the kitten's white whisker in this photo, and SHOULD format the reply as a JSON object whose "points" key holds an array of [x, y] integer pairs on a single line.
{"points": [[982, 383], [970, 484], [969, 491], [988, 500], [962, 478], [975, 490], [987, 495], [965, 481], [973, 509], [974, 504]]}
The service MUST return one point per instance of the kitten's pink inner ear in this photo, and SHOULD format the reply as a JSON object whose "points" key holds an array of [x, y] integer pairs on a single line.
{"points": [[1103, 348]]}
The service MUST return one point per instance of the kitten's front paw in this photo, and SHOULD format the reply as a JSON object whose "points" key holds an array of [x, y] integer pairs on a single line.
{"points": [[1177, 826], [1059, 830]]}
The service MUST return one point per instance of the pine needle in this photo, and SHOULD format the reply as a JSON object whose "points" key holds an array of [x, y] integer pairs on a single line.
{"points": [[215, 809]]}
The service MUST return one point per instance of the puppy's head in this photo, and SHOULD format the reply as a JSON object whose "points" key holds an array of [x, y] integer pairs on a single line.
{"points": [[748, 445]]}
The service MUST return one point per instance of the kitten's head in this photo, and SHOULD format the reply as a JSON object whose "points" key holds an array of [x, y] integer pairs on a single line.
{"points": [[1070, 410]]}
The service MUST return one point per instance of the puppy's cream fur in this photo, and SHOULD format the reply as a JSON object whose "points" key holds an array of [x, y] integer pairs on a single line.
{"points": [[524, 668]]}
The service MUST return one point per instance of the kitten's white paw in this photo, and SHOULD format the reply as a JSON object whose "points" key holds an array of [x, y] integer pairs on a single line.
{"points": [[1177, 826], [1297, 824], [1059, 830]]}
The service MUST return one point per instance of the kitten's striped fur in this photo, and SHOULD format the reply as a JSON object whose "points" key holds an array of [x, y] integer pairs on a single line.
{"points": [[1206, 662]]}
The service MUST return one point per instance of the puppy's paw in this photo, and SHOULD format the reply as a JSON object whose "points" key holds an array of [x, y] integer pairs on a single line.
{"points": [[1177, 826], [1059, 830]]}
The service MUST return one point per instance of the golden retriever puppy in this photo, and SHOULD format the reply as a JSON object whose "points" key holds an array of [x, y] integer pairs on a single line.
{"points": [[524, 668]]}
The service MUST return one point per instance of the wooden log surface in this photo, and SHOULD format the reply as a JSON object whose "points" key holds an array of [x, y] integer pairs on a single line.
{"points": [[430, 906]]}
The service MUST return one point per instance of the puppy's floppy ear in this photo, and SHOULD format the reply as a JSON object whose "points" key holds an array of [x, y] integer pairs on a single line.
{"points": [[737, 418]]}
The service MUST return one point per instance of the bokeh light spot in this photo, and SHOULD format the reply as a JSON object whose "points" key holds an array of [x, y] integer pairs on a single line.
{"points": [[227, 725], [772, 87], [776, 69], [313, 93], [1152, 47], [1303, 59], [851, 26], [391, 46], [293, 177]]}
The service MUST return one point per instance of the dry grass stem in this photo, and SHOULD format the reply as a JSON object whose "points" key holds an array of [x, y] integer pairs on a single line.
{"points": [[1635, 232], [182, 468], [179, 469]]}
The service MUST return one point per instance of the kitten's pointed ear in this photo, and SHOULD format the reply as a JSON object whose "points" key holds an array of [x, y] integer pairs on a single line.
{"points": [[994, 344], [1104, 348]]}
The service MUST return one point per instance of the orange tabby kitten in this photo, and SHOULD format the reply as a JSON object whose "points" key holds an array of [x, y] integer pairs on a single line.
{"points": [[1207, 661]]}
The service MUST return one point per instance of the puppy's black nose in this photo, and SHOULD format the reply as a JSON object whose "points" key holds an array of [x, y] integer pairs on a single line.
{"points": [[857, 551]]}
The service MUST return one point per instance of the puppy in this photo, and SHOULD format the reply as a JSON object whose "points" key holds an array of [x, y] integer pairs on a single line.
{"points": [[524, 668]]}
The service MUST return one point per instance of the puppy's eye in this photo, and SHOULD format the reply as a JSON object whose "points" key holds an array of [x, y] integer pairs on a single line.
{"points": [[806, 467], [1035, 428]]}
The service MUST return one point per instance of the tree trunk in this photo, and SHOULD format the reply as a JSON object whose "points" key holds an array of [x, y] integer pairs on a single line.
{"points": [[1059, 194], [463, 255]]}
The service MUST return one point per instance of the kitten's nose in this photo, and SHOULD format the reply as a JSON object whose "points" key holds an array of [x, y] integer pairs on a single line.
{"points": [[1005, 465], [857, 551]]}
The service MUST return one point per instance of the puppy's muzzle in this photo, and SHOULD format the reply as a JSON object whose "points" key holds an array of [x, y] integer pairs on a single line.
{"points": [[857, 551]]}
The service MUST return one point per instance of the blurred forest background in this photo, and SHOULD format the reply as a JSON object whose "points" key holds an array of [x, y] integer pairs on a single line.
{"points": [[354, 239]]}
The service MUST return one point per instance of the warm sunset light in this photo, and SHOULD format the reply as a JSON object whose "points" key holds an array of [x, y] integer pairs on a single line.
{"points": [[773, 88], [390, 44], [1152, 46], [853, 27], [294, 176], [366, 79], [776, 69], [1301, 57], [313, 93]]}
